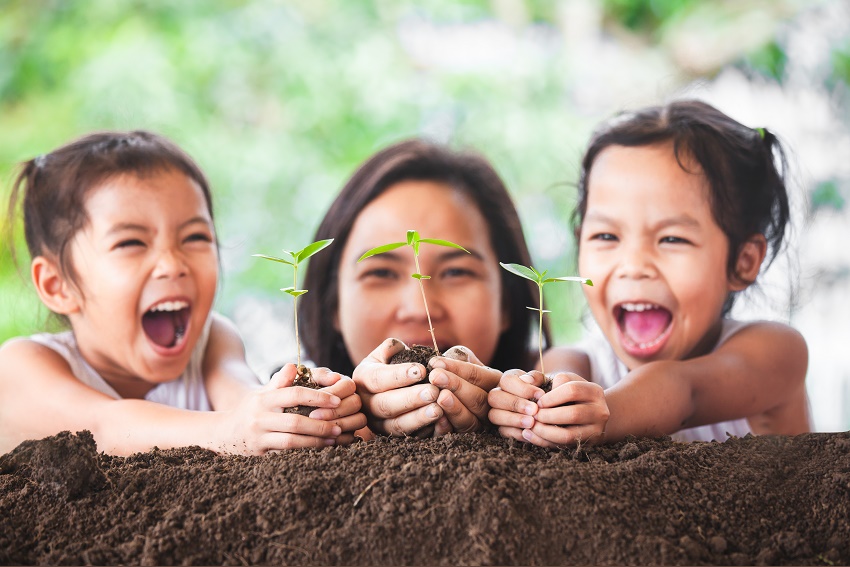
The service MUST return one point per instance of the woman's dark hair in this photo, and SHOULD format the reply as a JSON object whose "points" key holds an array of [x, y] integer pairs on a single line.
{"points": [[744, 168], [52, 188], [418, 160]]}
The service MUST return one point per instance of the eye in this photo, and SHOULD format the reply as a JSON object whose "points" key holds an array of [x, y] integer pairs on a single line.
{"points": [[604, 236], [129, 243], [458, 272], [198, 237], [379, 274], [674, 240]]}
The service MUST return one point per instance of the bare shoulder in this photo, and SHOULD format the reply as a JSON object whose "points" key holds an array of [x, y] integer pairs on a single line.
{"points": [[567, 359], [771, 346], [27, 356]]}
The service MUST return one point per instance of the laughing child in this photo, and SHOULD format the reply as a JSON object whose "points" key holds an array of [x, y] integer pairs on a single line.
{"points": [[678, 208], [120, 230]]}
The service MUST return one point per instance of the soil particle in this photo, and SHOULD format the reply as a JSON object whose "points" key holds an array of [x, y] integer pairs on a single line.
{"points": [[463, 499], [303, 378]]}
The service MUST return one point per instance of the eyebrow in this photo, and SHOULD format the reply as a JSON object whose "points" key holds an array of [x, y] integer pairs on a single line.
{"points": [[125, 226], [678, 220], [449, 254]]}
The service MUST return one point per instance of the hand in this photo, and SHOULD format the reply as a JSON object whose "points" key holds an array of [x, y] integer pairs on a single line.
{"points": [[513, 404], [347, 415], [258, 425], [574, 411], [464, 382], [392, 403]]}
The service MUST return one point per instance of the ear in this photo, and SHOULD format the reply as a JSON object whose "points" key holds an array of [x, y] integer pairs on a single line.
{"points": [[54, 290], [747, 266]]}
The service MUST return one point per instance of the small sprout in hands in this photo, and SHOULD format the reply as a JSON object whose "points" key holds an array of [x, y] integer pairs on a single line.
{"points": [[295, 259], [413, 240], [540, 279]]}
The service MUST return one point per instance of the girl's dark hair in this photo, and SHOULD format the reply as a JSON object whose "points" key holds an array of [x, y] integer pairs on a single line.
{"points": [[418, 160], [744, 168], [52, 188]]}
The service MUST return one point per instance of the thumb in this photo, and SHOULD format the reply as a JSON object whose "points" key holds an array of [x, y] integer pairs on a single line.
{"points": [[562, 378], [283, 378]]}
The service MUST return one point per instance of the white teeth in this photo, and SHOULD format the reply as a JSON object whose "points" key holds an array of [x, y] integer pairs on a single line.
{"points": [[638, 306], [169, 306]]}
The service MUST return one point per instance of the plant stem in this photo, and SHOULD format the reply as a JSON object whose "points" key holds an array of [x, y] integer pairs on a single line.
{"points": [[427, 313], [295, 307], [540, 332]]}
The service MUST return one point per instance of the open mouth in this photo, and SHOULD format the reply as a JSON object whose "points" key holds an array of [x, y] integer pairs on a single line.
{"points": [[165, 323], [644, 327]]}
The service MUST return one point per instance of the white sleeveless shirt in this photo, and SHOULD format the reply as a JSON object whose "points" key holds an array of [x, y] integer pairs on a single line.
{"points": [[606, 370], [186, 392]]}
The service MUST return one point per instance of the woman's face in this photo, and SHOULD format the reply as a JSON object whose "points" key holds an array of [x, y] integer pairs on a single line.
{"points": [[379, 298]]}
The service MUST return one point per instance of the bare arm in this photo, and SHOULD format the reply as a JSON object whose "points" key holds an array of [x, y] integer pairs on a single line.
{"points": [[227, 377], [759, 373]]}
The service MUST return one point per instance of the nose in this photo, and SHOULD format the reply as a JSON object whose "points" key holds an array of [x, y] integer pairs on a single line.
{"points": [[170, 264], [412, 305], [636, 263]]}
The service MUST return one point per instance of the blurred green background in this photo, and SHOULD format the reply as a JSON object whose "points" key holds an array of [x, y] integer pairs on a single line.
{"points": [[279, 101]]}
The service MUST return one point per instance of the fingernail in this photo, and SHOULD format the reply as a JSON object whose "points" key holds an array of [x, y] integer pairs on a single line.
{"points": [[336, 430], [526, 434], [448, 402], [431, 411], [526, 378], [529, 408], [330, 441], [538, 394], [413, 372], [439, 379], [436, 363], [426, 395], [335, 400], [527, 422]]}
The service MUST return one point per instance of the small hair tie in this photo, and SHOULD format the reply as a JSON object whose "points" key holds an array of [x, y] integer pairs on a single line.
{"points": [[39, 161], [761, 132]]}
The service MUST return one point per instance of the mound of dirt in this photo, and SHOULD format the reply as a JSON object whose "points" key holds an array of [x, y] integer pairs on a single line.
{"points": [[471, 499]]}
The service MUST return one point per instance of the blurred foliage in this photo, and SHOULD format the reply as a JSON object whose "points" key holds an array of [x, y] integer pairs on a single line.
{"points": [[280, 101], [827, 195]]}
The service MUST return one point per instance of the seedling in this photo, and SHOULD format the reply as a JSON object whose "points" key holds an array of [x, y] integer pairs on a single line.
{"points": [[540, 279], [413, 240], [295, 259]]}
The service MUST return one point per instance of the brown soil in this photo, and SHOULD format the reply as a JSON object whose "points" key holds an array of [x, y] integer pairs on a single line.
{"points": [[304, 378], [421, 354], [471, 499]]}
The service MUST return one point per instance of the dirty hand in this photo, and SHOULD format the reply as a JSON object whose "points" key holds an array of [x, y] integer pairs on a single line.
{"points": [[347, 414], [574, 411], [513, 404], [464, 382], [392, 403], [257, 424]]}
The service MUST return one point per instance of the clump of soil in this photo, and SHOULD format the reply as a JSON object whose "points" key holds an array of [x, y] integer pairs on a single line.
{"points": [[421, 354], [461, 499], [416, 353], [304, 378]]}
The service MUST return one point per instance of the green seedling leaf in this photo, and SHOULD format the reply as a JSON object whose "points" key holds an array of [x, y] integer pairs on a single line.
{"points": [[539, 310], [381, 250], [445, 243], [420, 277], [311, 249], [585, 281], [293, 292], [412, 237], [521, 271], [273, 259]]}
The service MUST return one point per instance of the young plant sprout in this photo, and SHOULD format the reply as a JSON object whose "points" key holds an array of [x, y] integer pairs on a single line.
{"points": [[413, 240], [295, 259], [540, 279]]}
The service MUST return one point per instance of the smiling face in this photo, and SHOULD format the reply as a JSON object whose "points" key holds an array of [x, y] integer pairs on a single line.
{"points": [[655, 254], [148, 270], [379, 299]]}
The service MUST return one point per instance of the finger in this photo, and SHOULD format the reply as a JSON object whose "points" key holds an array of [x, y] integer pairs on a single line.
{"points": [[283, 377], [277, 441], [377, 377], [345, 439], [325, 377], [522, 384], [576, 391], [298, 396], [504, 418], [574, 414], [565, 436], [512, 433], [342, 388], [351, 423], [563, 377], [298, 424], [410, 422], [499, 399], [348, 406], [531, 437], [471, 396], [442, 427], [461, 419], [477, 375], [394, 403]]}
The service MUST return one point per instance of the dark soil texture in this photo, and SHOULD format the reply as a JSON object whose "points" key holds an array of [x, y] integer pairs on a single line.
{"points": [[416, 353], [471, 499]]}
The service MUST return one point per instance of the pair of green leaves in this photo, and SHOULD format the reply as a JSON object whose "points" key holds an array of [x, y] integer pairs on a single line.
{"points": [[296, 258], [413, 240]]}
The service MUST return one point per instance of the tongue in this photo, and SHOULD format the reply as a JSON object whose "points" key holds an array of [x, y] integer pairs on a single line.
{"points": [[163, 327], [643, 327]]}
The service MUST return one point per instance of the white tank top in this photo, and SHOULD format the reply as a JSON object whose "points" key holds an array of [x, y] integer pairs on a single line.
{"points": [[186, 392], [606, 370]]}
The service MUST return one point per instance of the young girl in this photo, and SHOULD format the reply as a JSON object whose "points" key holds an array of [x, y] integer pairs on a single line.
{"points": [[120, 231], [361, 313], [678, 208]]}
